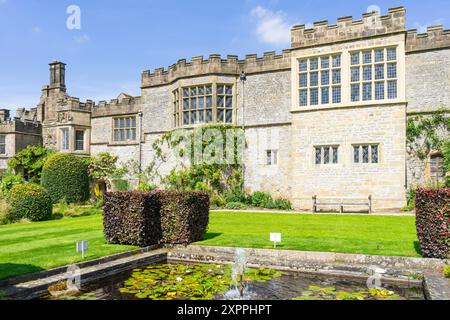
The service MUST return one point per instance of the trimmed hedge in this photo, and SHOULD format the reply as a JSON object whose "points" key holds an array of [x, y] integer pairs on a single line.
{"points": [[29, 201], [132, 218], [66, 177], [156, 217], [184, 216], [433, 222]]}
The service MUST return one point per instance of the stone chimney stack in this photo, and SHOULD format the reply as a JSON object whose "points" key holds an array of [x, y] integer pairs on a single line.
{"points": [[4, 115], [58, 75]]}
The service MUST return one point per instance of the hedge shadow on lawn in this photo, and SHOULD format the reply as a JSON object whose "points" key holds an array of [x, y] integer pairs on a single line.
{"points": [[10, 270], [209, 236], [417, 247]]}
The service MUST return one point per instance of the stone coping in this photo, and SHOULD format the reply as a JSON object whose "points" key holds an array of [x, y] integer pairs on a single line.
{"points": [[398, 269], [269, 257], [81, 265]]}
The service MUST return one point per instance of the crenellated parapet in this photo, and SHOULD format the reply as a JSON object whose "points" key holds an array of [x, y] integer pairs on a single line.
{"points": [[347, 29], [121, 106], [25, 122], [435, 38], [74, 104], [215, 65]]}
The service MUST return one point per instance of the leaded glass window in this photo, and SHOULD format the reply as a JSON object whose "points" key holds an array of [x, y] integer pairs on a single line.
{"points": [[2, 144], [79, 140], [224, 104], [366, 154], [378, 74], [318, 155], [124, 129], [318, 78], [65, 139], [198, 105], [326, 154]]}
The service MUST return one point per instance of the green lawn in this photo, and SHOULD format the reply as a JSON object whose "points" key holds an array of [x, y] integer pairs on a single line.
{"points": [[31, 247], [26, 248], [377, 235]]}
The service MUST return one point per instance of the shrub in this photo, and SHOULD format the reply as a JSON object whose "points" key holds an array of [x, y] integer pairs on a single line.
{"points": [[132, 218], [236, 205], [66, 177], [121, 185], [447, 271], [261, 199], [433, 222], [156, 217], [29, 201], [9, 180], [282, 204], [217, 201]]}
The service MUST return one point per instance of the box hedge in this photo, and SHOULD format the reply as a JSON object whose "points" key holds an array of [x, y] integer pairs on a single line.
{"points": [[132, 218], [66, 177], [433, 222], [29, 201], [155, 217]]}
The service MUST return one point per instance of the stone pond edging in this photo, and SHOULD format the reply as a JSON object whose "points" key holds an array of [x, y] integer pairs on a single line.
{"points": [[411, 271]]}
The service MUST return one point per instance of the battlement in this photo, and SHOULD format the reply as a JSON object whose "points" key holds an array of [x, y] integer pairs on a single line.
{"points": [[124, 104], [27, 115], [435, 38], [74, 104], [25, 121], [348, 29], [232, 66]]}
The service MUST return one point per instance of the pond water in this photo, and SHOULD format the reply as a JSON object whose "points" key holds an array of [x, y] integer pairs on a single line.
{"points": [[217, 282]]}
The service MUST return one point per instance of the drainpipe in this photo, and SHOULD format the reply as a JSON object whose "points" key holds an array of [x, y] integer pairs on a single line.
{"points": [[140, 141], [243, 78]]}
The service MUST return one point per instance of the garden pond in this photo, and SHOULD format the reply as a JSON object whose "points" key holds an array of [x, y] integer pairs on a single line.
{"points": [[220, 282]]}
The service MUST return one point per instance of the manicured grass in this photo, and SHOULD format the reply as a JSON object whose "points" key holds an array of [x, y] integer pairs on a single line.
{"points": [[26, 248], [374, 235], [31, 247]]}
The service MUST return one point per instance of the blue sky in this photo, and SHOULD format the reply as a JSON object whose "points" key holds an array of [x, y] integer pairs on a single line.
{"points": [[119, 39]]}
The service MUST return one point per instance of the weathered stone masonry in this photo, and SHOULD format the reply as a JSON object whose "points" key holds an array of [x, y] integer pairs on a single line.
{"points": [[277, 125]]}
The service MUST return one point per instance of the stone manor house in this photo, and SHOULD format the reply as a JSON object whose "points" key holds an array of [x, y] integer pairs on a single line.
{"points": [[338, 102]]}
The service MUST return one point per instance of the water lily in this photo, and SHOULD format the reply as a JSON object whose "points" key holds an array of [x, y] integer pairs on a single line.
{"points": [[179, 279]]}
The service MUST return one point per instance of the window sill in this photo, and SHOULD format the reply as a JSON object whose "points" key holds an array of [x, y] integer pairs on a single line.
{"points": [[123, 144]]}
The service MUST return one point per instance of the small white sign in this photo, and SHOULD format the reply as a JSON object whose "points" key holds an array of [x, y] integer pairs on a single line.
{"points": [[275, 238], [82, 246]]}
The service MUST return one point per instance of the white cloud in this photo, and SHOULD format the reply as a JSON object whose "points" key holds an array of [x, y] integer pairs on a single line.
{"points": [[422, 28], [272, 27], [82, 39]]}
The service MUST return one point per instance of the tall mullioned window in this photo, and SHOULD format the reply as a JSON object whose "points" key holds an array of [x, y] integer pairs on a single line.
{"points": [[320, 81], [373, 74], [203, 104], [65, 139], [2, 144], [79, 140], [124, 129]]}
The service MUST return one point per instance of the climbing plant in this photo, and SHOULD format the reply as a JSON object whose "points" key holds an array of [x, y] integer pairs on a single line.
{"points": [[219, 173], [30, 162], [425, 133]]}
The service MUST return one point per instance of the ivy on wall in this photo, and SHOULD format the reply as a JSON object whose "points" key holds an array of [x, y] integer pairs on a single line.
{"points": [[217, 178], [426, 133]]}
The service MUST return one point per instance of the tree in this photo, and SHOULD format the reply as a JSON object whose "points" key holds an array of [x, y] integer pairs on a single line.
{"points": [[30, 162]]}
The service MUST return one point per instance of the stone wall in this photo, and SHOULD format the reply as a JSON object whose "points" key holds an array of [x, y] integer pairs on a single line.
{"points": [[428, 81], [385, 181], [267, 99], [274, 179]]}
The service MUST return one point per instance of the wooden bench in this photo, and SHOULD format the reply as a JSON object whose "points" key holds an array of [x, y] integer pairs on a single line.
{"points": [[341, 203]]}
